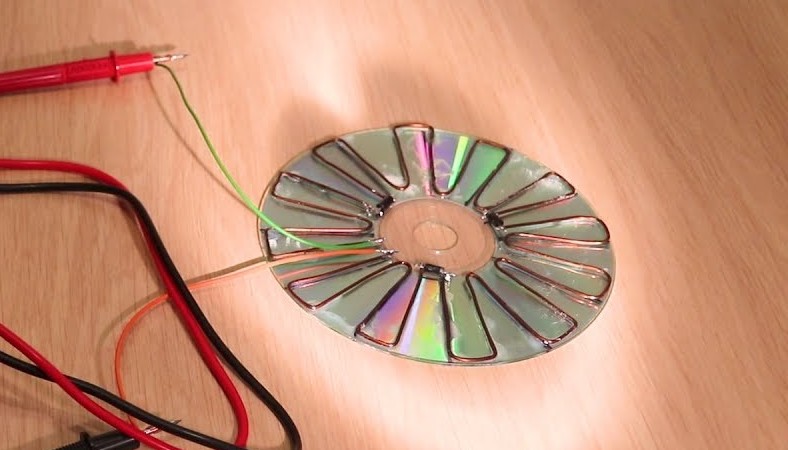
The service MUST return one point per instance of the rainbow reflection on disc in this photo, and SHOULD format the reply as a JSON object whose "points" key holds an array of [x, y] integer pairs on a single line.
{"points": [[487, 257]]}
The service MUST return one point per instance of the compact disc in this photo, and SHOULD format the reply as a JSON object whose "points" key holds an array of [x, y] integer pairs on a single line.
{"points": [[485, 256]]}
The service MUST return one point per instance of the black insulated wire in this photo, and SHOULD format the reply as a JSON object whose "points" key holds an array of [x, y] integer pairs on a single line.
{"points": [[123, 405], [221, 348]]}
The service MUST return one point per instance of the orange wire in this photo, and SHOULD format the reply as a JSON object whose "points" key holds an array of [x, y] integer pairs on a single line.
{"points": [[198, 285]]}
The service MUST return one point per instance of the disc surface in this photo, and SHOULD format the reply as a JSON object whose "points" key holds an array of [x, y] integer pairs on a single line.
{"points": [[492, 257]]}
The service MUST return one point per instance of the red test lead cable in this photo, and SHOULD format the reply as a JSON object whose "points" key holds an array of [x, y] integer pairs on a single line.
{"points": [[201, 341], [97, 410], [111, 67]]}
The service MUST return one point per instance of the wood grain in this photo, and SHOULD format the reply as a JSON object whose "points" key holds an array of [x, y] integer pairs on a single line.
{"points": [[670, 116]]}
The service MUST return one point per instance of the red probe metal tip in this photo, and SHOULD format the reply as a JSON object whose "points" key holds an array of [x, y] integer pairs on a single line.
{"points": [[168, 58]]}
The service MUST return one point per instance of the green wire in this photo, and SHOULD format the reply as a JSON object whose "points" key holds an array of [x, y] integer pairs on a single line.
{"points": [[245, 198], [459, 156]]}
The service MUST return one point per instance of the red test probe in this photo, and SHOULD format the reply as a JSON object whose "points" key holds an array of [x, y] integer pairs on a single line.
{"points": [[113, 67]]}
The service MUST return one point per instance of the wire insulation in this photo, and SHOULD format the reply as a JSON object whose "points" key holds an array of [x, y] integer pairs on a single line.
{"points": [[237, 187], [239, 271], [68, 386], [182, 289], [165, 271], [123, 405]]}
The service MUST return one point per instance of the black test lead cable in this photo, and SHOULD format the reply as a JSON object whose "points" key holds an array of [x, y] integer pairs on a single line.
{"points": [[221, 348], [123, 405]]}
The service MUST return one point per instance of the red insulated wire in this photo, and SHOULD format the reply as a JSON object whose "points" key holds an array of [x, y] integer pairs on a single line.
{"points": [[94, 408], [200, 340]]}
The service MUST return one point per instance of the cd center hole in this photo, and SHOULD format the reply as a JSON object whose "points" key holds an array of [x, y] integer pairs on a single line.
{"points": [[434, 235]]}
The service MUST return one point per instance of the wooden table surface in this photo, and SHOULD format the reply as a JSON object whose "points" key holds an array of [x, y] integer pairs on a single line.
{"points": [[670, 116]]}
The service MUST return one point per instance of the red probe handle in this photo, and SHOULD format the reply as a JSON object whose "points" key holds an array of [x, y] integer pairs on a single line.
{"points": [[114, 66]]}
